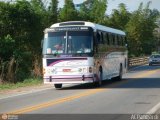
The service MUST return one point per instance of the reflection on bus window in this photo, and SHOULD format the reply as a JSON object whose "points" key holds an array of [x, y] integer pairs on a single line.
{"points": [[58, 41], [76, 39], [55, 43]]}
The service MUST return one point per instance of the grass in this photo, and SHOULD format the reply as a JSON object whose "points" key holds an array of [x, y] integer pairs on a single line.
{"points": [[25, 83]]}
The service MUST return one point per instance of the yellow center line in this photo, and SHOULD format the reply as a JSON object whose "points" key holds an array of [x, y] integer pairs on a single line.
{"points": [[72, 97], [148, 73], [54, 102]]}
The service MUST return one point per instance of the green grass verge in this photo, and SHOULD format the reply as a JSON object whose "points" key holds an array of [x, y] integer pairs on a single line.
{"points": [[25, 83]]}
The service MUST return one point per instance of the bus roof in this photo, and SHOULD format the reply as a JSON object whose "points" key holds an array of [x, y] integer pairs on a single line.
{"points": [[88, 24]]}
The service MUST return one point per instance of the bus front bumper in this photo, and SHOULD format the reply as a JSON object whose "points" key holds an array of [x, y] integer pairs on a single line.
{"points": [[68, 79]]}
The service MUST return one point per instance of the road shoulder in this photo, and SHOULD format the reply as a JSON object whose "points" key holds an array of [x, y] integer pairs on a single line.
{"points": [[23, 90]]}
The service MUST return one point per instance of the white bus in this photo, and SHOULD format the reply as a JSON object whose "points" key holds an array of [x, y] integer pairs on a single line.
{"points": [[82, 52]]}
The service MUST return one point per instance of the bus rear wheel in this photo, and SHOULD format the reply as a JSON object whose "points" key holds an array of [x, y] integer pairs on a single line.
{"points": [[98, 83], [57, 86], [120, 73]]}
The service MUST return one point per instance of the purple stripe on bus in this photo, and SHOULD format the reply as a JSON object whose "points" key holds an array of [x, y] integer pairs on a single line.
{"points": [[56, 62]]}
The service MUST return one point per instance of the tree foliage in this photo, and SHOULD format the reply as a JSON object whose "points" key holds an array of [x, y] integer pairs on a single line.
{"points": [[140, 30], [85, 10], [120, 17], [68, 12], [93, 10], [53, 11], [22, 24], [21, 34], [98, 11]]}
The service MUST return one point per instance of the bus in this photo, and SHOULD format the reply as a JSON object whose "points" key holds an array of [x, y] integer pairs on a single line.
{"points": [[83, 52]]}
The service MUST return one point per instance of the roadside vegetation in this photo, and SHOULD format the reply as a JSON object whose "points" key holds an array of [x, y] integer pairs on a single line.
{"points": [[25, 83], [22, 24]]}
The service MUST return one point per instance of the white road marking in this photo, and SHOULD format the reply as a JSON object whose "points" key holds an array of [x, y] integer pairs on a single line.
{"points": [[29, 92], [23, 93], [154, 109]]}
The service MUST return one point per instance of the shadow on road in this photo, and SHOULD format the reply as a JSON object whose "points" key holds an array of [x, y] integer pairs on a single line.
{"points": [[125, 83], [144, 68]]}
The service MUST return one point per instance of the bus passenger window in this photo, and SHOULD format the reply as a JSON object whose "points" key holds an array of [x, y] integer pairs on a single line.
{"points": [[107, 39], [113, 36], [123, 41], [102, 38], [118, 40], [98, 38], [110, 39]]}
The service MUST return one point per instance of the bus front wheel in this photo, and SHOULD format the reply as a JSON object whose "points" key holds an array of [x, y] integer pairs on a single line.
{"points": [[58, 86]]}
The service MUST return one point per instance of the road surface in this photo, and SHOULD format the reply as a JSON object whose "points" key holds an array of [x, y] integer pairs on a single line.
{"points": [[137, 93]]}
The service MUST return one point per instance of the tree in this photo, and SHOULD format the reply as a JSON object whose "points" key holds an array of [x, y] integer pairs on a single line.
{"points": [[38, 6], [93, 11], [53, 11], [20, 39], [98, 11], [68, 12], [119, 18], [140, 31], [85, 10]]}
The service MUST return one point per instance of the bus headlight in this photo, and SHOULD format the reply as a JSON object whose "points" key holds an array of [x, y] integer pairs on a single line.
{"points": [[85, 70], [50, 71], [80, 70]]}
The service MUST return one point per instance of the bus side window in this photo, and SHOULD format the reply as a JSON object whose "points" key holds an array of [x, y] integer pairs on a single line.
{"points": [[98, 38], [107, 39], [95, 43], [125, 41], [110, 39], [122, 41], [113, 36], [116, 40], [119, 40], [102, 38]]}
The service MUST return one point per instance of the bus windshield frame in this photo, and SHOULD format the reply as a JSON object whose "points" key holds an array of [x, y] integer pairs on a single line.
{"points": [[72, 41]]}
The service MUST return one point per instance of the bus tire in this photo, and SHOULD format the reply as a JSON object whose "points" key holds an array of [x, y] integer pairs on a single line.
{"points": [[99, 77], [120, 73], [58, 86]]}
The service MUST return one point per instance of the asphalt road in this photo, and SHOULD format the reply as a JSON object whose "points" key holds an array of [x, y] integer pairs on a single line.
{"points": [[137, 93]]}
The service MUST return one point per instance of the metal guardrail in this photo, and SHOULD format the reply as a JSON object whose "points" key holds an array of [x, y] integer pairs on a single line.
{"points": [[137, 61]]}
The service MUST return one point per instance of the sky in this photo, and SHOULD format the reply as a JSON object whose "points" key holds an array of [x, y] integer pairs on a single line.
{"points": [[130, 4]]}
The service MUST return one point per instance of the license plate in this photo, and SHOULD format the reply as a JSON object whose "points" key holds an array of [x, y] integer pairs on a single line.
{"points": [[66, 70]]}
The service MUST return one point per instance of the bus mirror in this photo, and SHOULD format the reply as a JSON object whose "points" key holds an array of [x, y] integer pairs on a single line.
{"points": [[42, 43]]}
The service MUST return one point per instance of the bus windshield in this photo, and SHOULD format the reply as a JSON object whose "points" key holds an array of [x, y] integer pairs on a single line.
{"points": [[68, 42]]}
